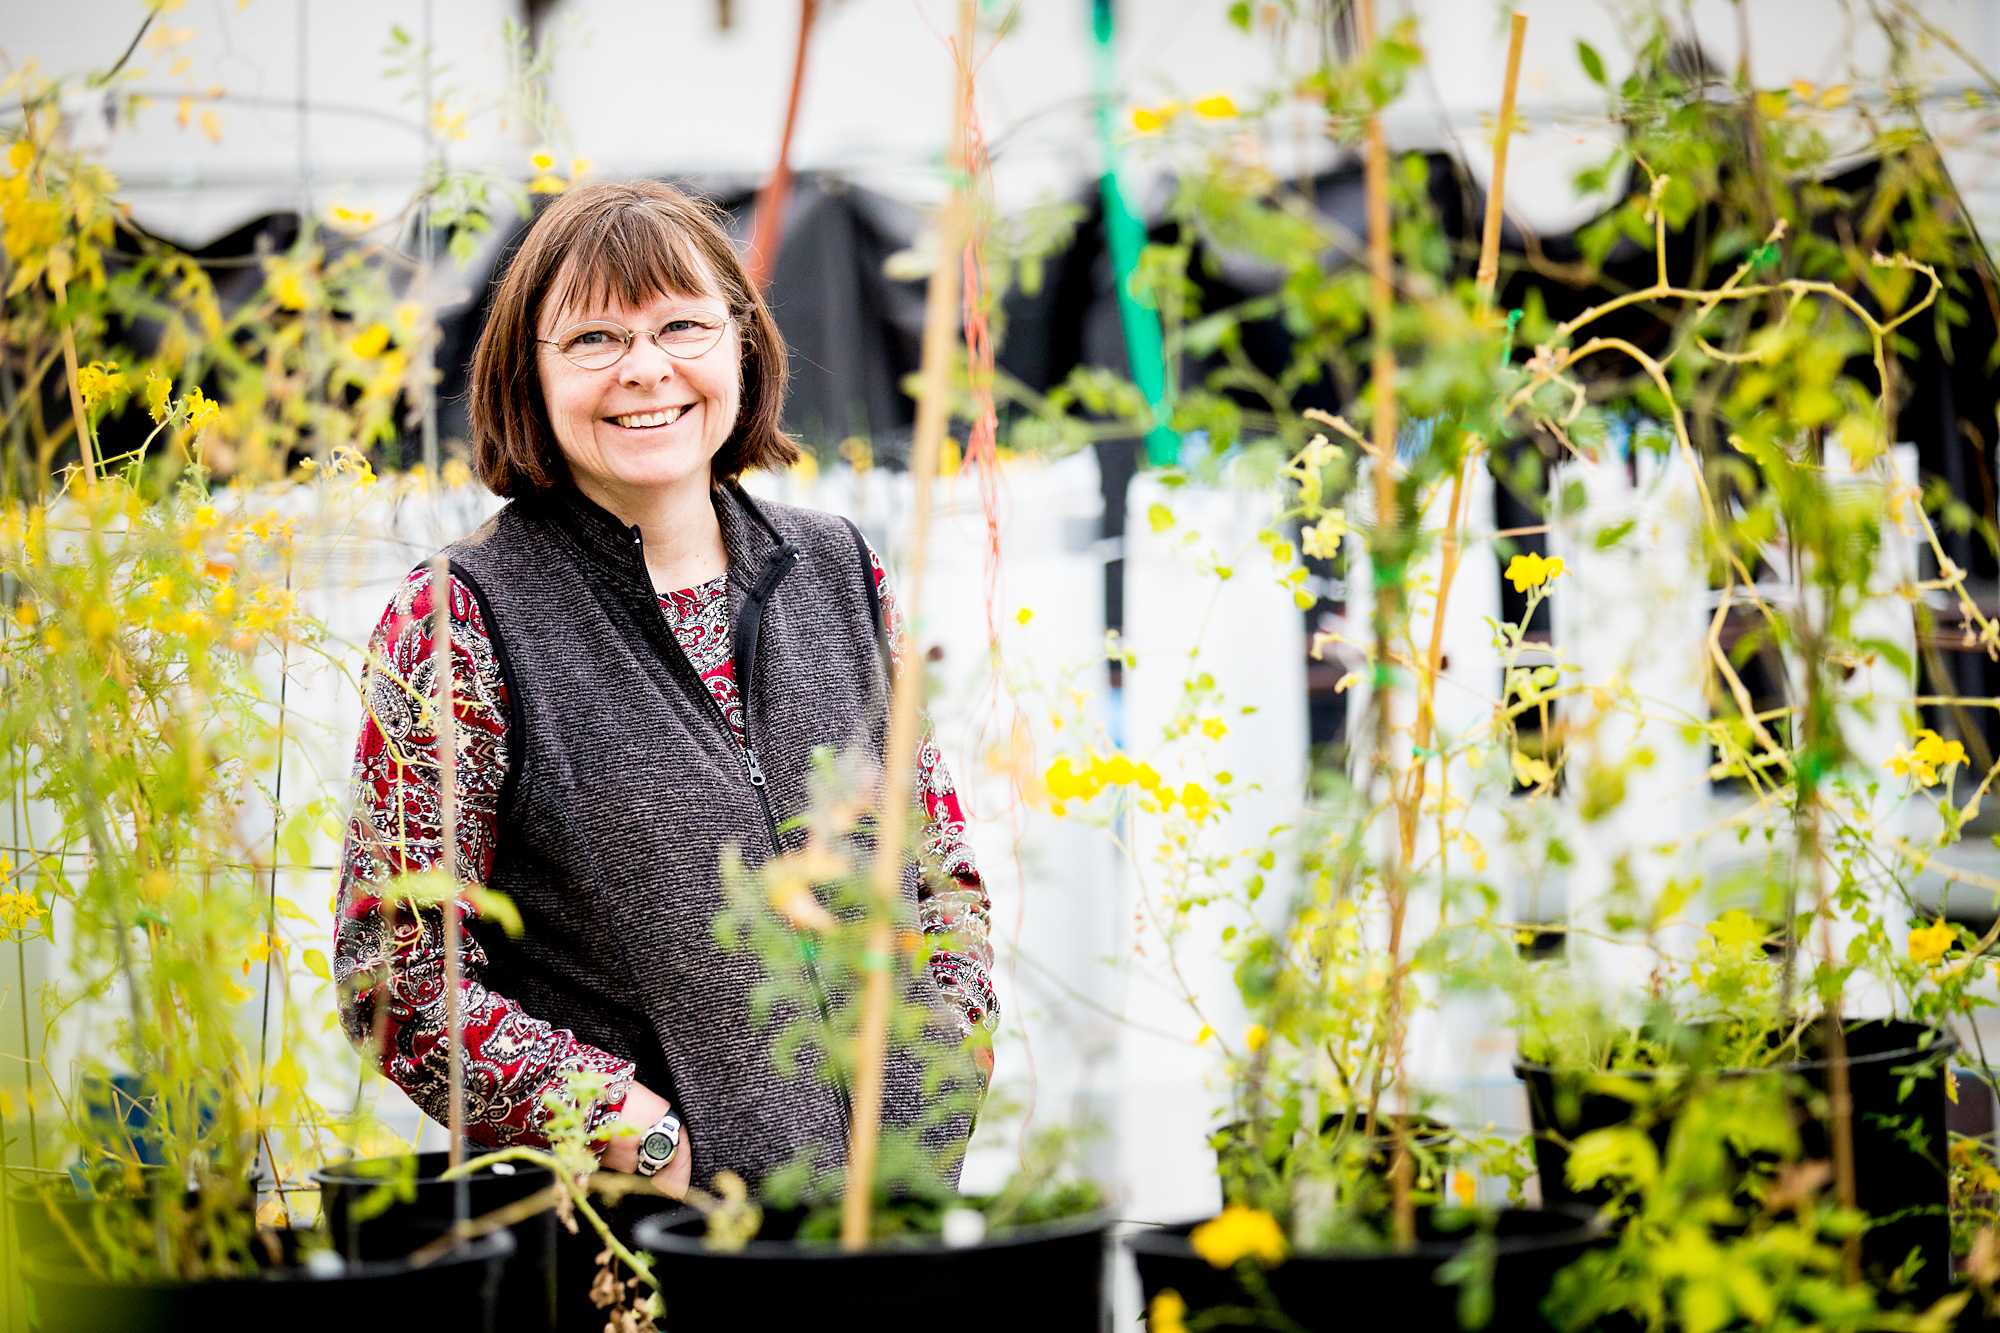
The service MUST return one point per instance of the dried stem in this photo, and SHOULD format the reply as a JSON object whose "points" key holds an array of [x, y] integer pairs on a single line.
{"points": [[941, 305]]}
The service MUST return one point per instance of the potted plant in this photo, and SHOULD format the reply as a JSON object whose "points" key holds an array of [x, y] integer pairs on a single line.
{"points": [[148, 606], [1776, 1082]]}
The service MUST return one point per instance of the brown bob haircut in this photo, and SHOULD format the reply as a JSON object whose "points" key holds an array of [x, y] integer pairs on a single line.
{"points": [[633, 240]]}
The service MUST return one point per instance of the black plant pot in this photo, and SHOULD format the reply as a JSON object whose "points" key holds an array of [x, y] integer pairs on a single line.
{"points": [[1428, 1135], [49, 1218], [1347, 1291], [457, 1291], [1900, 1142], [528, 1292], [1042, 1277]]}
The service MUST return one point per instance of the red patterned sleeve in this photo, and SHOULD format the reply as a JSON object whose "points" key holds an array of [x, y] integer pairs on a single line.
{"points": [[389, 961], [953, 900]]}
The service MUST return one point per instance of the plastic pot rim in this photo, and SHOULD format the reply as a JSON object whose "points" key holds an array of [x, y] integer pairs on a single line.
{"points": [[495, 1245], [343, 1174], [653, 1236], [1945, 1043], [1170, 1240]]}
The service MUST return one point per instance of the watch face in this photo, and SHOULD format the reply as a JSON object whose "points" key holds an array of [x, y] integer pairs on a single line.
{"points": [[657, 1144]]}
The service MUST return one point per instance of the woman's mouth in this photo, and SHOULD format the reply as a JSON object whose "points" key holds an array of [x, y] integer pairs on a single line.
{"points": [[665, 416]]}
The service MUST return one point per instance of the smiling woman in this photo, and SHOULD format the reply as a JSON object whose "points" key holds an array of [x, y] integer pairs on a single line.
{"points": [[643, 664]]}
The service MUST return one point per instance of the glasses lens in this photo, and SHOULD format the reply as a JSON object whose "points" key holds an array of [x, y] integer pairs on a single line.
{"points": [[594, 346], [690, 335]]}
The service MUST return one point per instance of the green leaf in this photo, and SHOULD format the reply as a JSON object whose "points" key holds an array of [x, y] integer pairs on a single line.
{"points": [[1615, 534], [1239, 14], [1593, 63]]}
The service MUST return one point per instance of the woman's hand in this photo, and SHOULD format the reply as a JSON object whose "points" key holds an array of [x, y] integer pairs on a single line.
{"points": [[643, 1107]]}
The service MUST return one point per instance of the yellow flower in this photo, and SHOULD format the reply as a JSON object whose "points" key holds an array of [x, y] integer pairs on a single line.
{"points": [[578, 166], [1239, 1233], [1024, 615], [1203, 1037], [1936, 751], [159, 391], [99, 382], [1529, 570], [1196, 801], [1256, 1037], [542, 160], [19, 154], [1168, 1313], [288, 285], [1928, 753], [1737, 932], [1214, 728], [354, 219], [1932, 942], [1216, 106], [202, 410], [1321, 540], [371, 342], [19, 910], [1464, 1188], [449, 123], [547, 184], [1153, 119], [1905, 764]]}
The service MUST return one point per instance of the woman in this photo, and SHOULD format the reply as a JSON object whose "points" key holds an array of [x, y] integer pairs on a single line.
{"points": [[643, 663]]}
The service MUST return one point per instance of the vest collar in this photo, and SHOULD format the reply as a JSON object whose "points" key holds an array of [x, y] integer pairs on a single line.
{"points": [[749, 538]]}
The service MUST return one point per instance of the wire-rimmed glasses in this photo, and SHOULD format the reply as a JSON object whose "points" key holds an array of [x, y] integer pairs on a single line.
{"points": [[600, 343]]}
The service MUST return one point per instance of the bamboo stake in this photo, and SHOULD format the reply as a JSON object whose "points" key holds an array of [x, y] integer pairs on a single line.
{"points": [[941, 306], [445, 730], [1489, 241], [1452, 548], [1389, 612]]}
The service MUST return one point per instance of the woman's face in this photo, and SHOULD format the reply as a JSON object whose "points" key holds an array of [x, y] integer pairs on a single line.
{"points": [[649, 423]]}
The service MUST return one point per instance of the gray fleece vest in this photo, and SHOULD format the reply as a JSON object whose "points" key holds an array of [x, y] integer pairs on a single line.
{"points": [[625, 787]]}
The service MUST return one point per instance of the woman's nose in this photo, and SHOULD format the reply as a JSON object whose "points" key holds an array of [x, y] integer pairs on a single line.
{"points": [[645, 362]]}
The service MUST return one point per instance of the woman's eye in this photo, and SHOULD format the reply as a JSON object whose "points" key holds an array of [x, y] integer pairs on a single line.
{"points": [[590, 338], [684, 326]]}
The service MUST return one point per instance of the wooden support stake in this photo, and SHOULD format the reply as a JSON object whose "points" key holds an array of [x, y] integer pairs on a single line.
{"points": [[941, 310], [1489, 241]]}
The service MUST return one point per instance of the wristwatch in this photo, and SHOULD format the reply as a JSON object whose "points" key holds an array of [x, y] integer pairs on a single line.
{"points": [[659, 1144]]}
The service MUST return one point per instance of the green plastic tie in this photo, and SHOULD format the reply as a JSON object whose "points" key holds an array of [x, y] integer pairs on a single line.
{"points": [[1513, 323], [1764, 255]]}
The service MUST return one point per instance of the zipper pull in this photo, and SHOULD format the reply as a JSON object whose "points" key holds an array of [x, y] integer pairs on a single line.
{"points": [[756, 772]]}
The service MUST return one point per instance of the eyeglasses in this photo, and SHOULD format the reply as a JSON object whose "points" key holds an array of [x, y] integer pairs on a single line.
{"points": [[601, 343]]}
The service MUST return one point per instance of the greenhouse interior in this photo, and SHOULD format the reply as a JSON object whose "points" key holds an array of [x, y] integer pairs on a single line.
{"points": [[1206, 652]]}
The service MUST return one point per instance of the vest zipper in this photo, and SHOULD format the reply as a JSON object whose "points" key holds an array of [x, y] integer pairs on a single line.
{"points": [[749, 622]]}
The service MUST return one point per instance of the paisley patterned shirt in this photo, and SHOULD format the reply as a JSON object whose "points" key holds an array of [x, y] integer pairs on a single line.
{"points": [[389, 960]]}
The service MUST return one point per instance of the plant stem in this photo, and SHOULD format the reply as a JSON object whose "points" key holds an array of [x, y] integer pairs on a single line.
{"points": [[1390, 613], [933, 411]]}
